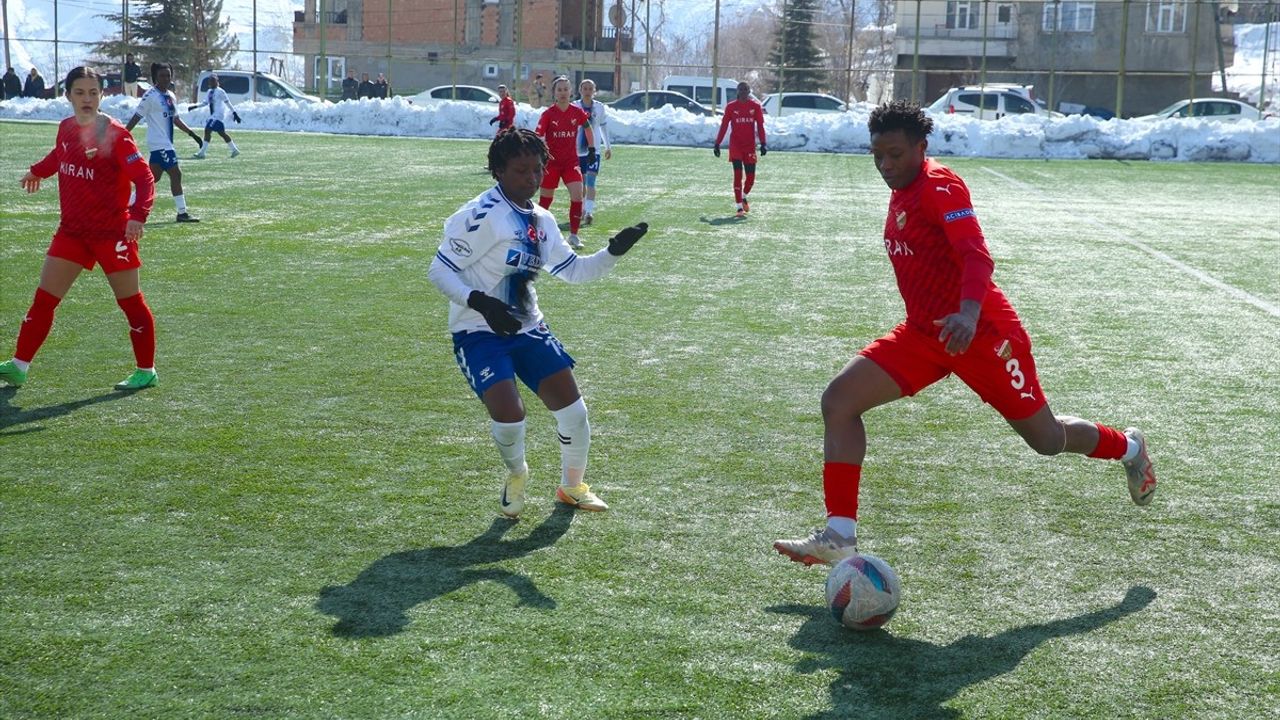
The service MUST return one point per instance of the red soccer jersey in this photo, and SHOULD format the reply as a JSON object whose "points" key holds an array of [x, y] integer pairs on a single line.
{"points": [[506, 113], [938, 253], [747, 119], [560, 128], [95, 164]]}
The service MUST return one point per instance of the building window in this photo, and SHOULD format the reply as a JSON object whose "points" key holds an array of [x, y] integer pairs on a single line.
{"points": [[1068, 16], [962, 14], [1004, 14], [1169, 16]]}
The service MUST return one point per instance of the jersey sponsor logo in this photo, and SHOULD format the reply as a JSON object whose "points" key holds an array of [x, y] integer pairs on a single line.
{"points": [[897, 247], [523, 260], [958, 214], [459, 247], [75, 171], [64, 147], [943, 188], [901, 219], [133, 158]]}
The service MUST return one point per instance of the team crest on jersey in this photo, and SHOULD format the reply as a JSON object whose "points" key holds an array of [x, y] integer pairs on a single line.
{"points": [[901, 219], [90, 152], [1004, 351], [460, 247]]}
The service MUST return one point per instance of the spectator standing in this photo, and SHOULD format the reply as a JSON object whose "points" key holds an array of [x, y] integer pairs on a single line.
{"points": [[537, 90], [350, 86], [12, 84], [35, 85], [381, 87], [367, 88], [506, 116], [131, 74]]}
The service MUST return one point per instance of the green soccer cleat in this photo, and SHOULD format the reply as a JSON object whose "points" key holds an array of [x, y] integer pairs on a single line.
{"points": [[581, 497], [138, 380], [10, 373]]}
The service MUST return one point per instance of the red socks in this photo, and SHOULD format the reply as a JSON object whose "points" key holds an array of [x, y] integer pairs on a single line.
{"points": [[840, 488], [737, 184], [545, 201], [1111, 443], [575, 216], [142, 329], [751, 181], [36, 325]]}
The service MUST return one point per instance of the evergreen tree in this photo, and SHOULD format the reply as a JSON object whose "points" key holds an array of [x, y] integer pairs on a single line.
{"points": [[798, 64], [189, 34]]}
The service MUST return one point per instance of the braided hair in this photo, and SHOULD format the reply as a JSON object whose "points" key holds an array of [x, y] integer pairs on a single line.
{"points": [[513, 142], [901, 115]]}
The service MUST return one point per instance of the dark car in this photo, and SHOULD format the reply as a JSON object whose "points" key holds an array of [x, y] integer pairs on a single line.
{"points": [[659, 98], [111, 85]]}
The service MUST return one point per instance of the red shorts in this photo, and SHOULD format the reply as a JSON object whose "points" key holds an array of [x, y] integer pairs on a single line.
{"points": [[111, 250], [998, 366], [557, 171], [744, 155]]}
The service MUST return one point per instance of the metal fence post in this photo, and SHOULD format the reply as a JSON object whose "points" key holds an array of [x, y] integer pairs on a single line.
{"points": [[1124, 48], [915, 55]]}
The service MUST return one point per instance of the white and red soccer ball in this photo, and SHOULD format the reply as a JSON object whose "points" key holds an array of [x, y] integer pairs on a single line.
{"points": [[863, 592]]}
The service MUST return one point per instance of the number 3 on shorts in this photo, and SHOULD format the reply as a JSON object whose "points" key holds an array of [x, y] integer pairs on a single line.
{"points": [[1016, 378]]}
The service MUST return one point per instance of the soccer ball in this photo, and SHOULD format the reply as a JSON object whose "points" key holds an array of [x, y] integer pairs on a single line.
{"points": [[863, 592]]}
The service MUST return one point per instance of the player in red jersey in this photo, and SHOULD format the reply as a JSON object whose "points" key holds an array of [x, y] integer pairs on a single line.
{"points": [[747, 118], [559, 125], [506, 116], [958, 321], [95, 159]]}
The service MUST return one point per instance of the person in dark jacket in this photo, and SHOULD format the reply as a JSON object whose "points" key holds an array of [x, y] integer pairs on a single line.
{"points": [[34, 86], [350, 86], [12, 84], [132, 71], [367, 88], [381, 87]]}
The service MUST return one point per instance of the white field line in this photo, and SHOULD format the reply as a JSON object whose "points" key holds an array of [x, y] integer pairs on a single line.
{"points": [[1196, 273]]}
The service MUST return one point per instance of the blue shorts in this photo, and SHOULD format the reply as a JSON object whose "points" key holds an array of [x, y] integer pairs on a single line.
{"points": [[586, 167], [487, 358], [164, 158], [215, 126]]}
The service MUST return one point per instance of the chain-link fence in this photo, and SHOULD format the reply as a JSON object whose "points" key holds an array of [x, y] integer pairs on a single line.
{"points": [[1122, 57]]}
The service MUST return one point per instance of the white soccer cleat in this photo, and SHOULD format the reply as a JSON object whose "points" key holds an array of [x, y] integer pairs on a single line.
{"points": [[512, 502], [822, 546], [574, 241], [235, 152], [1139, 471]]}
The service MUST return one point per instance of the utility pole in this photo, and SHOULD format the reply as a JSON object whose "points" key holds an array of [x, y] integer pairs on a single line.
{"points": [[715, 61], [848, 61], [322, 69], [4, 9]]}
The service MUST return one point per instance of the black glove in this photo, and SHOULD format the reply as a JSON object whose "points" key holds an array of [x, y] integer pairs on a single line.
{"points": [[494, 120], [716, 151], [619, 244], [764, 149], [495, 312], [591, 155], [192, 107], [235, 116]]}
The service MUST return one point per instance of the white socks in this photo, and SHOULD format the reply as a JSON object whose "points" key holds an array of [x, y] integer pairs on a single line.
{"points": [[21, 365], [588, 207], [848, 527], [181, 202], [509, 438], [1130, 450], [575, 440]]}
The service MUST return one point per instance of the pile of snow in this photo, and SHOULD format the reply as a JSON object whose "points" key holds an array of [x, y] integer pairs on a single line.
{"points": [[1245, 76], [1023, 136]]}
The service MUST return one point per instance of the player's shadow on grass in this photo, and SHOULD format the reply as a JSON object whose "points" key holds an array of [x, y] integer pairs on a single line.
{"points": [[11, 415], [726, 220], [886, 676], [377, 602]]}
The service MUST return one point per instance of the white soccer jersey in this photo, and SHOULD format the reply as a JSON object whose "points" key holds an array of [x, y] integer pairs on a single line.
{"points": [[158, 109], [490, 245], [598, 121], [219, 104]]}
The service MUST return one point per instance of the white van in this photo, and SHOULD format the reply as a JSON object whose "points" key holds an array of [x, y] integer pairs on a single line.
{"points": [[699, 88], [240, 86]]}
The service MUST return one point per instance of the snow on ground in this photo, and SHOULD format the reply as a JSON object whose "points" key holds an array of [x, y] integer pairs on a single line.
{"points": [[1011, 137]]}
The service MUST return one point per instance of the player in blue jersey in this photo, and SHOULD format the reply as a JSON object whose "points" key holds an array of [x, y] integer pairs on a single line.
{"points": [[159, 107], [493, 248], [219, 107]]}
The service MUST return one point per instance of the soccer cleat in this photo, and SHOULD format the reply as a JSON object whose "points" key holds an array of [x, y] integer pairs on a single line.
{"points": [[574, 241], [513, 492], [586, 220], [10, 373], [741, 213], [199, 156], [746, 206], [581, 497], [138, 380], [822, 546], [1140, 471], [186, 218], [235, 152]]}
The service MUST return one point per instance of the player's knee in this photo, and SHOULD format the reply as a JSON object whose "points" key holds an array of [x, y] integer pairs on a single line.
{"points": [[1049, 441], [751, 169], [839, 404]]}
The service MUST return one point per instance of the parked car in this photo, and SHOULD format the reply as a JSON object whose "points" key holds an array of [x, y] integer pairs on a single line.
{"points": [[995, 100], [463, 93], [660, 98], [1210, 108], [111, 85], [240, 85], [799, 102]]}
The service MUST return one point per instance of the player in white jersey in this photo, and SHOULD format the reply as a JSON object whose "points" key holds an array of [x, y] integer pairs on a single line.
{"points": [[160, 109], [219, 106], [494, 246], [591, 167]]}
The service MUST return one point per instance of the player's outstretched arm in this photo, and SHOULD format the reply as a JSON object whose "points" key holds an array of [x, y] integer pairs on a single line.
{"points": [[619, 244]]}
